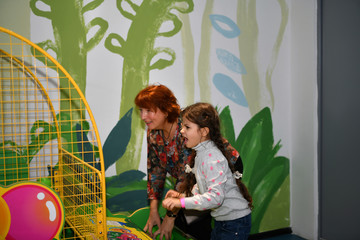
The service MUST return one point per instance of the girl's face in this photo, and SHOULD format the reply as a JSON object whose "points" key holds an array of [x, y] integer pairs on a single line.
{"points": [[154, 119], [192, 133]]}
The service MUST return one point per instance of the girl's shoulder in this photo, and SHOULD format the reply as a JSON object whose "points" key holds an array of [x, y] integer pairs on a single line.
{"points": [[212, 152]]}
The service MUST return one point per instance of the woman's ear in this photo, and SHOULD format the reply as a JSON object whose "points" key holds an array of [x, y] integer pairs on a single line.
{"points": [[204, 131]]}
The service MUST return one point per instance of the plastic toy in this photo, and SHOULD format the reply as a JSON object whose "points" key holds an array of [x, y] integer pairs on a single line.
{"points": [[48, 136], [34, 210]]}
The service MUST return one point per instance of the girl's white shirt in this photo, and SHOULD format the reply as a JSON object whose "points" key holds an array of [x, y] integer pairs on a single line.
{"points": [[216, 188]]}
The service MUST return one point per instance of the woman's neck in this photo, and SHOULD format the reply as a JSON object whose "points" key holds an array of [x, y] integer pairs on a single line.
{"points": [[169, 129]]}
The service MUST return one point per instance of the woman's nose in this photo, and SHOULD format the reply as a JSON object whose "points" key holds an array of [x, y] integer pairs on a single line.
{"points": [[143, 115]]}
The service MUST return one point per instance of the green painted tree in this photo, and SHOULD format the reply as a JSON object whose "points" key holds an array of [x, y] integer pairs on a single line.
{"points": [[138, 52], [71, 44]]}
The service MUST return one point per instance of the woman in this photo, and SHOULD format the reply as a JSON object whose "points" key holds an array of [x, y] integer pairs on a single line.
{"points": [[167, 154]]}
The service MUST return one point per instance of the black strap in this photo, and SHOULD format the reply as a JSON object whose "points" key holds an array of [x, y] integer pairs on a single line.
{"points": [[239, 165]]}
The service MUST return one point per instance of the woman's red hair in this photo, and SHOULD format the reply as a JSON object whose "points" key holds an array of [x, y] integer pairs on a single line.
{"points": [[159, 96]]}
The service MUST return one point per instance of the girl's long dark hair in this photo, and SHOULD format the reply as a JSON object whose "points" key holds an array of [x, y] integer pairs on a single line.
{"points": [[205, 115]]}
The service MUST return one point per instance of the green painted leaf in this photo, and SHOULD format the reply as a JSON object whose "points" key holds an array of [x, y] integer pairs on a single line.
{"points": [[125, 178], [256, 143], [13, 166], [127, 201], [227, 126]]}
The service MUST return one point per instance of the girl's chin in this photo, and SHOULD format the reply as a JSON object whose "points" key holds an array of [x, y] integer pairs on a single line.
{"points": [[188, 145]]}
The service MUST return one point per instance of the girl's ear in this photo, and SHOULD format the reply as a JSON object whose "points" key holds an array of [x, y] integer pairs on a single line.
{"points": [[204, 131]]}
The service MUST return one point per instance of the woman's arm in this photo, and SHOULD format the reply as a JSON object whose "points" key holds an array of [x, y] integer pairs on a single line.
{"points": [[230, 151]]}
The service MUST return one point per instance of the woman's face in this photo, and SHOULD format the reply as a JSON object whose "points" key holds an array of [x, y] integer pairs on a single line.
{"points": [[154, 119], [191, 133]]}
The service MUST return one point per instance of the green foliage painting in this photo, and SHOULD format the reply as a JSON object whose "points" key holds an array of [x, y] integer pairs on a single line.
{"points": [[41, 133], [264, 172]]}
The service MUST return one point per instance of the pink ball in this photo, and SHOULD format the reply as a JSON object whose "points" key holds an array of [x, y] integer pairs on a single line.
{"points": [[36, 213]]}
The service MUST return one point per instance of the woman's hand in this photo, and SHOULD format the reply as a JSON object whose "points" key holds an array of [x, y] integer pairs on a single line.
{"points": [[153, 220], [171, 203], [166, 228]]}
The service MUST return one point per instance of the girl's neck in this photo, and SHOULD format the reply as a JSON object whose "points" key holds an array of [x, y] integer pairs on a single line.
{"points": [[198, 146]]}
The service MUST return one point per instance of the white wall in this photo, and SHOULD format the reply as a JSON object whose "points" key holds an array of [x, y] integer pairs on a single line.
{"points": [[304, 119]]}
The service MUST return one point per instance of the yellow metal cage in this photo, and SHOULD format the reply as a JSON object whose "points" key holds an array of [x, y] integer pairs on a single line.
{"points": [[48, 135]]}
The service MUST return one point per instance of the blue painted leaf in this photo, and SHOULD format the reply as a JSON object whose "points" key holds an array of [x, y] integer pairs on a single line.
{"points": [[230, 61], [118, 139], [234, 30], [229, 89]]}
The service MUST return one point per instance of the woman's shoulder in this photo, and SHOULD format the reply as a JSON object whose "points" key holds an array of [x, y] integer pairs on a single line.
{"points": [[154, 137]]}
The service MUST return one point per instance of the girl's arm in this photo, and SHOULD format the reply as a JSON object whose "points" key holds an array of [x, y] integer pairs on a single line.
{"points": [[171, 204], [195, 190], [213, 169]]}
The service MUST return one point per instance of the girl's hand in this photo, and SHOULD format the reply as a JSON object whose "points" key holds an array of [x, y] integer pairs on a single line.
{"points": [[173, 194], [171, 203], [166, 228]]}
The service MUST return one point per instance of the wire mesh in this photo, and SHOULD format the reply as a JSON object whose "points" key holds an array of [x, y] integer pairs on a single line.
{"points": [[48, 135]]}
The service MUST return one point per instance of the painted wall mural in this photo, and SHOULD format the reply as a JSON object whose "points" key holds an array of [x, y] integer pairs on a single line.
{"points": [[158, 36], [138, 51]]}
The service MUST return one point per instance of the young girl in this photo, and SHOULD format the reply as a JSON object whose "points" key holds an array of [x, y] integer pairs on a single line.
{"points": [[218, 186]]}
